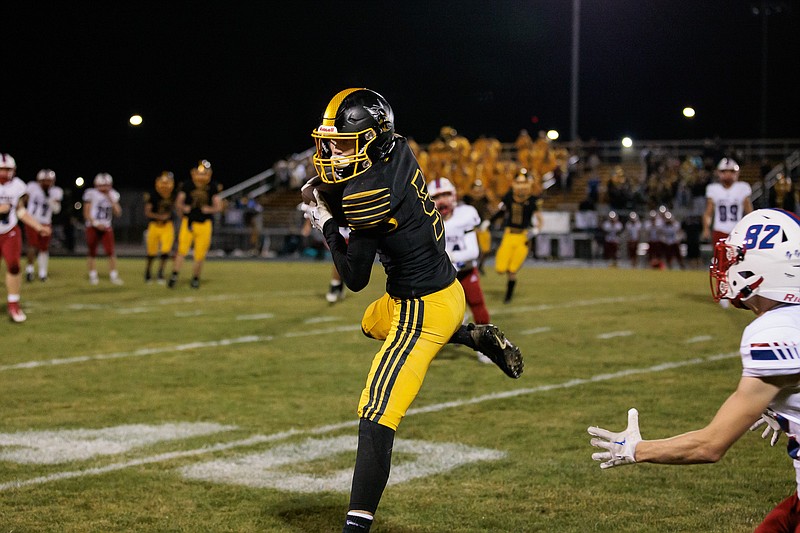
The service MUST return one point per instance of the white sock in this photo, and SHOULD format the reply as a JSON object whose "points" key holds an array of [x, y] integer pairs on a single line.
{"points": [[93, 274], [29, 269], [113, 274], [43, 259], [13, 298]]}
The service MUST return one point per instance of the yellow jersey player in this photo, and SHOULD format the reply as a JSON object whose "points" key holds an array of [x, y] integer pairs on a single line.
{"points": [[369, 181], [159, 207], [517, 209], [197, 202]]}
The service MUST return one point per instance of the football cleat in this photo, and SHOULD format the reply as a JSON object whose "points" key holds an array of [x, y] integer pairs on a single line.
{"points": [[148, 277], [173, 279], [93, 279], [16, 313], [28, 274], [492, 343], [195, 284]]}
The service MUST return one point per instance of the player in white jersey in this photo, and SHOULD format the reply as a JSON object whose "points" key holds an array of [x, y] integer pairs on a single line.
{"points": [[44, 201], [727, 201], [754, 268], [100, 206], [461, 222], [12, 210], [612, 228], [632, 233]]}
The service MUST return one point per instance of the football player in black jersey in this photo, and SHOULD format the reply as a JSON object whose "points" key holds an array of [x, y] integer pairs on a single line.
{"points": [[159, 207], [369, 181], [517, 209], [197, 202]]}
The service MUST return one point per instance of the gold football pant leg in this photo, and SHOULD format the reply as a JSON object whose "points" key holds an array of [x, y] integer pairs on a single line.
{"points": [[511, 253], [413, 332], [160, 237], [199, 234]]}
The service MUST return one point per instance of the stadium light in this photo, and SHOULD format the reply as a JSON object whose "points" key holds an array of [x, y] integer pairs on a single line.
{"points": [[552, 135], [135, 120], [627, 142], [688, 112], [79, 181]]}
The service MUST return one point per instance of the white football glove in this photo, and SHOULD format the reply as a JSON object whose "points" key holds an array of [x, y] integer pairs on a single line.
{"points": [[621, 447], [318, 212], [770, 419], [485, 225]]}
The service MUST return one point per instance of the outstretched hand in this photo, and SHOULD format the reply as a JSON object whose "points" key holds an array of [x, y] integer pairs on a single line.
{"points": [[620, 447]]}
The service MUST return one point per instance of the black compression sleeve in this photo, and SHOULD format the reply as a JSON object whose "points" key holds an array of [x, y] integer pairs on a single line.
{"points": [[353, 259]]}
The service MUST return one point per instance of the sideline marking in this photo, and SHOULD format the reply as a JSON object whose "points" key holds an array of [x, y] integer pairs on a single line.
{"points": [[258, 439], [699, 338]]}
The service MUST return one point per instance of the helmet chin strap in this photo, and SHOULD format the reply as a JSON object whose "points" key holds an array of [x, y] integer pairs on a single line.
{"points": [[745, 294]]}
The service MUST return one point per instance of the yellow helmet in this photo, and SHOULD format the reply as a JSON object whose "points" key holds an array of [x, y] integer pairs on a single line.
{"points": [[165, 183], [201, 173]]}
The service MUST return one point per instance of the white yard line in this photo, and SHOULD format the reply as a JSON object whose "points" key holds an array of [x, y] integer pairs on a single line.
{"points": [[247, 339], [612, 334], [258, 439]]}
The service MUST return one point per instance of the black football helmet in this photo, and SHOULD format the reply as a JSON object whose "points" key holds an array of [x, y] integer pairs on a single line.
{"points": [[359, 117]]}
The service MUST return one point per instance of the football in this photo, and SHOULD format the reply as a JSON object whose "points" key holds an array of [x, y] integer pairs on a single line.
{"points": [[307, 192]]}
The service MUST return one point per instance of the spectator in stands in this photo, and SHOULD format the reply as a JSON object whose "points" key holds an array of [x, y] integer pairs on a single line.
{"points": [[782, 194], [618, 191]]}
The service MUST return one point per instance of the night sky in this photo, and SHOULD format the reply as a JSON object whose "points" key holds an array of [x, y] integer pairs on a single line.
{"points": [[244, 83]]}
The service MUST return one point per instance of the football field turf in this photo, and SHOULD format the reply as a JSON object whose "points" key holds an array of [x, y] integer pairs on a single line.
{"points": [[232, 408]]}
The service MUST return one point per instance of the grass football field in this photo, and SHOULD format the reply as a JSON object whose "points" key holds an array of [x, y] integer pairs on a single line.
{"points": [[232, 408]]}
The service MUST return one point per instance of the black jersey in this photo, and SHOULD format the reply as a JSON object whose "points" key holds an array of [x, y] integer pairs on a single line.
{"points": [[518, 214], [197, 197], [388, 208], [158, 204]]}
